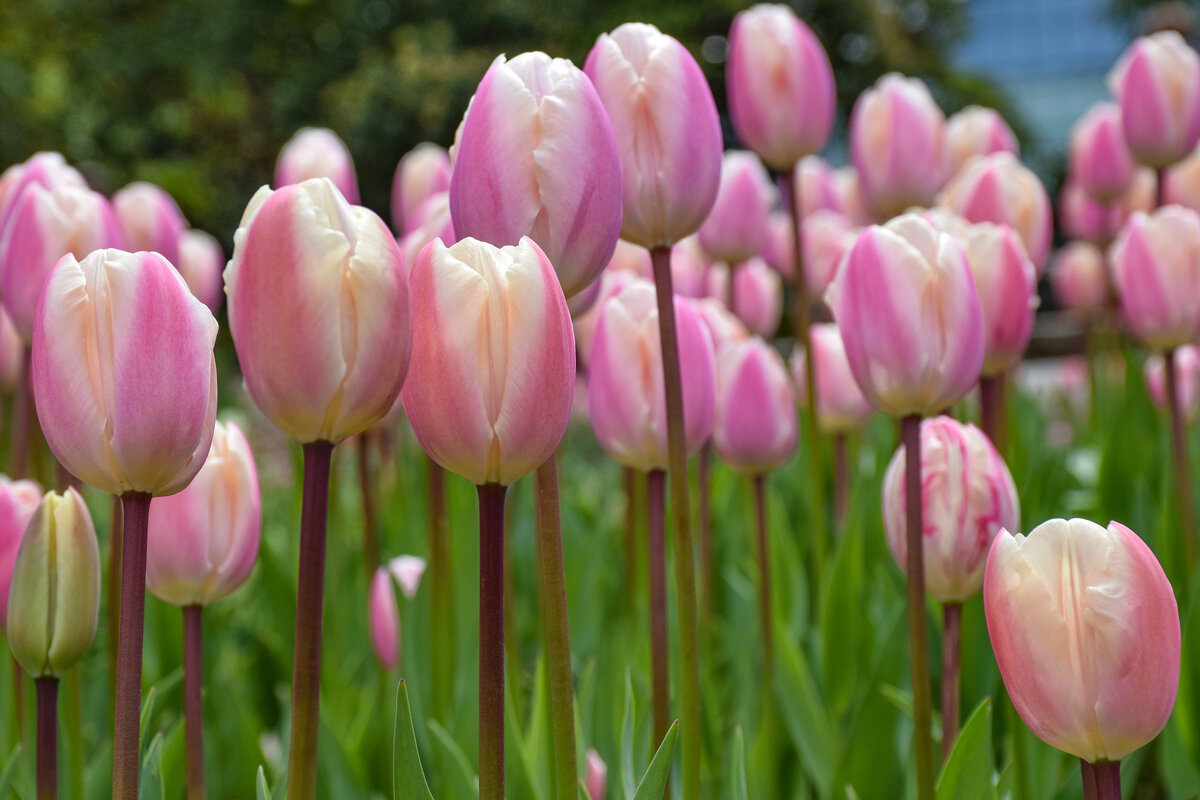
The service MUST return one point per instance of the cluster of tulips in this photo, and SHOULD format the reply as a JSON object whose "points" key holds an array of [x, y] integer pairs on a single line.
{"points": [[587, 245]]}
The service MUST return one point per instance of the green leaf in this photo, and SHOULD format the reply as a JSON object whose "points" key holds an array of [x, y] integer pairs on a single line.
{"points": [[459, 777], [10, 766], [152, 785], [967, 774], [844, 628], [261, 790], [144, 720], [805, 716], [654, 782], [408, 779], [739, 766], [628, 778]]}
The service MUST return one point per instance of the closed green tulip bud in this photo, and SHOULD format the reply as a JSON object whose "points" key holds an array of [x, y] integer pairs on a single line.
{"points": [[55, 597]]}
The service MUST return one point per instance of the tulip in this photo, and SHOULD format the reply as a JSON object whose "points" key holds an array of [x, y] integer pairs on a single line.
{"points": [[724, 328], [757, 295], [1099, 158], [1096, 222], [690, 267], [611, 284], [1157, 83], [201, 263], [999, 189], [827, 237], [1079, 278], [897, 142], [407, 572], [1007, 286], [18, 501], [48, 170], [841, 407], [780, 85], [755, 427], [422, 171], [977, 131], [12, 353], [1156, 270], [384, 619], [631, 258], [737, 226], [150, 219], [819, 186], [595, 779], [1085, 630], [850, 190], [1181, 182], [537, 157], [430, 221], [317, 153], [1187, 387]]}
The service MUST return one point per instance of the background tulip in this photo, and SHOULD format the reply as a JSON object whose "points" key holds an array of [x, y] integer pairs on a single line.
{"points": [[819, 186], [755, 427], [407, 572], [430, 221], [317, 153], [690, 267], [758, 294], [1156, 270], [1090, 220], [201, 263], [1007, 287], [1085, 630], [977, 131], [319, 311], [18, 501], [422, 171], [150, 219], [48, 170], [595, 779], [1181, 182], [12, 353], [1157, 83], [1187, 387], [1099, 158], [841, 407], [384, 619], [1079, 277], [827, 237], [737, 227], [611, 283], [724, 328]]}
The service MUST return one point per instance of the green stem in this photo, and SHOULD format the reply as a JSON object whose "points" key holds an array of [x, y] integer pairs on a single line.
{"points": [[765, 616], [951, 639], [135, 508], [366, 485], [918, 636], [18, 696], [1102, 780], [1183, 467], [193, 709], [629, 534], [441, 646], [47, 738], [660, 672], [491, 641]]}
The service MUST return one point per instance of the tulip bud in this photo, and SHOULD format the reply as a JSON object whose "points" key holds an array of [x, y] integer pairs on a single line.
{"points": [[1007, 287], [1157, 82], [723, 327], [538, 158], [967, 497], [850, 190], [48, 170], [422, 171], [758, 296], [667, 130], [12, 353], [1181, 182], [841, 407], [632, 258], [319, 311], [819, 187], [611, 283], [780, 85], [1092, 221], [905, 302], [756, 427], [736, 228], [897, 143], [1099, 159], [124, 377], [1187, 379], [203, 541], [384, 619], [150, 219], [827, 237], [430, 221], [493, 367], [1079, 277], [690, 267], [1085, 630], [626, 400], [54, 603], [407, 572], [201, 263], [317, 153], [977, 131], [595, 778], [18, 501], [1156, 271]]}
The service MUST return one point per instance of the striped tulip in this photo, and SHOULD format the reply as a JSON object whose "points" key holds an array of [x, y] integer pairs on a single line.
{"points": [[737, 226], [1099, 159], [422, 171], [755, 427], [1007, 286], [977, 131], [841, 407], [317, 153], [150, 219], [1156, 270], [1157, 83]]}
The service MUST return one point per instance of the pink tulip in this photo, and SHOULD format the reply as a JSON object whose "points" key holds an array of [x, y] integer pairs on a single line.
{"points": [[1085, 630], [827, 237], [150, 219], [841, 407], [12, 353], [1090, 220], [625, 389], [977, 131], [48, 170], [1156, 271], [967, 498], [1079, 277], [777, 251], [203, 541], [493, 359], [1187, 380], [422, 171], [1157, 82], [319, 311], [819, 186], [407, 572], [1007, 286], [201, 263], [317, 153], [907, 307], [737, 229], [612, 282], [384, 619], [897, 142], [595, 778], [1181, 182], [632, 258], [755, 427], [667, 128], [537, 158], [430, 221], [18, 501], [1000, 189], [780, 85], [758, 296], [690, 267], [723, 327], [1099, 159], [123, 372], [850, 190]]}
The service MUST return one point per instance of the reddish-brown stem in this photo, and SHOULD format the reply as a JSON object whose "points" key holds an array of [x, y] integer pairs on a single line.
{"points": [[765, 614], [47, 738], [193, 710], [841, 480], [951, 638], [18, 696], [1102, 780], [116, 538], [660, 683], [1183, 466], [704, 478], [991, 410], [732, 295], [366, 486], [491, 641], [135, 508], [918, 635]]}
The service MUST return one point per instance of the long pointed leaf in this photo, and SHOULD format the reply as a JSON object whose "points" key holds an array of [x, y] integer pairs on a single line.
{"points": [[968, 771], [408, 779], [654, 782]]}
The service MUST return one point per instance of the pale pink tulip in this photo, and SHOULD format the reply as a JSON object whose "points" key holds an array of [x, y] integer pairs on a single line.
{"points": [[407, 572], [150, 219], [850, 190], [48, 170], [12, 353], [819, 186], [755, 427], [758, 297], [736, 228], [633, 258], [384, 619], [841, 407], [724, 328], [1182, 182], [1156, 271], [611, 283], [1099, 159], [1092, 221], [1187, 379], [18, 501], [1157, 83], [690, 267], [422, 171], [317, 153], [977, 131], [201, 263], [430, 221], [827, 237], [595, 778], [1079, 277], [1007, 286]]}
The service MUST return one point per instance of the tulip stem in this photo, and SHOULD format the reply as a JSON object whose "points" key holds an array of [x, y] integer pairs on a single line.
{"points": [[18, 696], [841, 480], [704, 478], [764, 581], [629, 534], [1102, 780], [685, 564], [918, 636], [310, 607], [991, 410], [135, 512], [442, 601], [193, 709], [554, 615], [116, 539], [951, 640], [1183, 467], [491, 641], [660, 683], [366, 485], [732, 295], [47, 738]]}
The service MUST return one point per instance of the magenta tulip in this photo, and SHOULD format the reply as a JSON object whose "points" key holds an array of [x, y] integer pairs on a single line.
{"points": [[841, 407], [1007, 286], [1099, 158], [977, 131], [201, 263], [317, 153], [1079, 277], [737, 226], [422, 171], [1187, 380], [18, 501], [150, 219], [1157, 83], [384, 619], [755, 427], [1156, 270]]}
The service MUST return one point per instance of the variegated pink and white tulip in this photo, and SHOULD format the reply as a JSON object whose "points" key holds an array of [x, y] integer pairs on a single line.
{"points": [[1157, 83], [1079, 277], [755, 427], [430, 221], [818, 186], [150, 219], [317, 153], [1099, 159], [422, 171], [737, 226], [1007, 285], [977, 131], [1155, 266], [47, 169], [612, 282], [18, 501], [1187, 380], [201, 263], [841, 406]]}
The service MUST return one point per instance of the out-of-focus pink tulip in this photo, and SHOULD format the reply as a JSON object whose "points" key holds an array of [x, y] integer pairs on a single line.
{"points": [[422, 171], [1007, 287], [1079, 277], [690, 267], [384, 618], [818, 187], [319, 311], [317, 153], [897, 142], [45, 225], [18, 501], [778, 250], [407, 572], [905, 302], [493, 367], [977, 131], [150, 219], [850, 190], [1092, 221], [758, 295], [1187, 379], [1085, 630], [124, 377], [430, 221], [1182, 182], [756, 427], [538, 158], [628, 257], [595, 778], [1099, 159], [667, 129], [723, 327], [12, 353], [736, 229], [203, 541], [48, 170], [841, 407], [780, 85], [967, 497], [1157, 83], [827, 237], [1156, 271], [201, 263], [946, 221], [625, 389], [612, 282], [998, 188]]}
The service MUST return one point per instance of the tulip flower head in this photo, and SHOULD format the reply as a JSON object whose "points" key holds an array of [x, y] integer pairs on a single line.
{"points": [[611, 283], [724, 328], [756, 426], [1007, 286], [1079, 277], [430, 221], [1181, 183], [827, 237], [384, 619], [1156, 81], [737, 227], [595, 776], [758, 299], [422, 171], [201, 263], [317, 153], [1099, 223], [1187, 381], [18, 501], [1099, 158], [841, 407], [819, 187], [48, 170], [150, 219], [977, 131]]}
